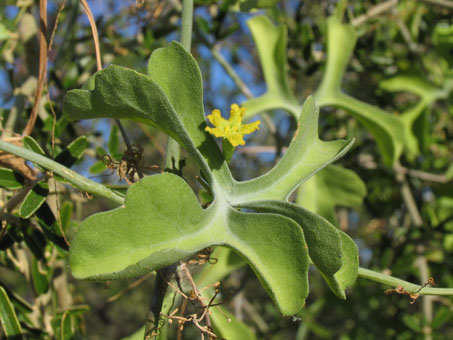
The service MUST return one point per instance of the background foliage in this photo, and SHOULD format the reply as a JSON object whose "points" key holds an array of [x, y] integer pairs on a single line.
{"points": [[402, 63]]}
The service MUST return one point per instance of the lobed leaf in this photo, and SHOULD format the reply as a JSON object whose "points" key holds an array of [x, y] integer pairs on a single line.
{"points": [[270, 41], [130, 241], [306, 155], [385, 128], [332, 252]]}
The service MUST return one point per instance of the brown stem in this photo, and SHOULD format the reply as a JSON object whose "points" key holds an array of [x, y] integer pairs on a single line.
{"points": [[42, 67]]}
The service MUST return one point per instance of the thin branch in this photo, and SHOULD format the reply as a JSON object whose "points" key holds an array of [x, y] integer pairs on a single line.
{"points": [[427, 301], [393, 281], [42, 67], [231, 72], [409, 200], [427, 176], [20, 196], [134, 284], [54, 30], [82, 183], [374, 12], [444, 3], [94, 32]]}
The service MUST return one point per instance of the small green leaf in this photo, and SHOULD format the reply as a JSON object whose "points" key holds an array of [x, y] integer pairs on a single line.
{"points": [[10, 179], [97, 168], [442, 316], [330, 187], [40, 279], [413, 322], [66, 214], [114, 140], [34, 199], [72, 152], [8, 317], [31, 144], [4, 32], [66, 328]]}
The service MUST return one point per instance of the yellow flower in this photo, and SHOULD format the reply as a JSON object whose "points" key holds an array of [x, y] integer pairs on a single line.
{"points": [[231, 129]]}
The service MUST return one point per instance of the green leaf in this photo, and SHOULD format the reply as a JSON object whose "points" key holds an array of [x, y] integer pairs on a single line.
{"points": [[385, 128], [332, 252], [34, 199], [130, 241], [10, 179], [114, 141], [138, 335], [428, 94], [330, 187], [31, 144], [8, 317], [413, 322], [306, 155], [442, 316], [123, 93], [72, 152], [178, 75], [66, 328], [4, 32], [97, 168], [227, 326], [40, 279], [66, 214], [270, 41]]}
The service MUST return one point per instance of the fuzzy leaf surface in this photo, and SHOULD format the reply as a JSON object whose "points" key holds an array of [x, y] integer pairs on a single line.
{"points": [[333, 252], [306, 155], [130, 241]]}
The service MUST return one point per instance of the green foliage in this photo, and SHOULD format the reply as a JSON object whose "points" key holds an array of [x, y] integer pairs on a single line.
{"points": [[220, 221], [378, 79]]}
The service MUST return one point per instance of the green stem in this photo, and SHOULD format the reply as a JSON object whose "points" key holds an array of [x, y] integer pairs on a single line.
{"points": [[173, 151], [82, 183], [186, 24], [231, 72], [409, 287]]}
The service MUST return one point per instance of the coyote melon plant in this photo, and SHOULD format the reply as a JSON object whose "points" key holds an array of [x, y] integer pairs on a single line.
{"points": [[161, 220]]}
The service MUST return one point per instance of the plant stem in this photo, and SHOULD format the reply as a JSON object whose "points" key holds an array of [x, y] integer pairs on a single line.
{"points": [[231, 72], [82, 183], [172, 157], [409, 287], [186, 24], [173, 149]]}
